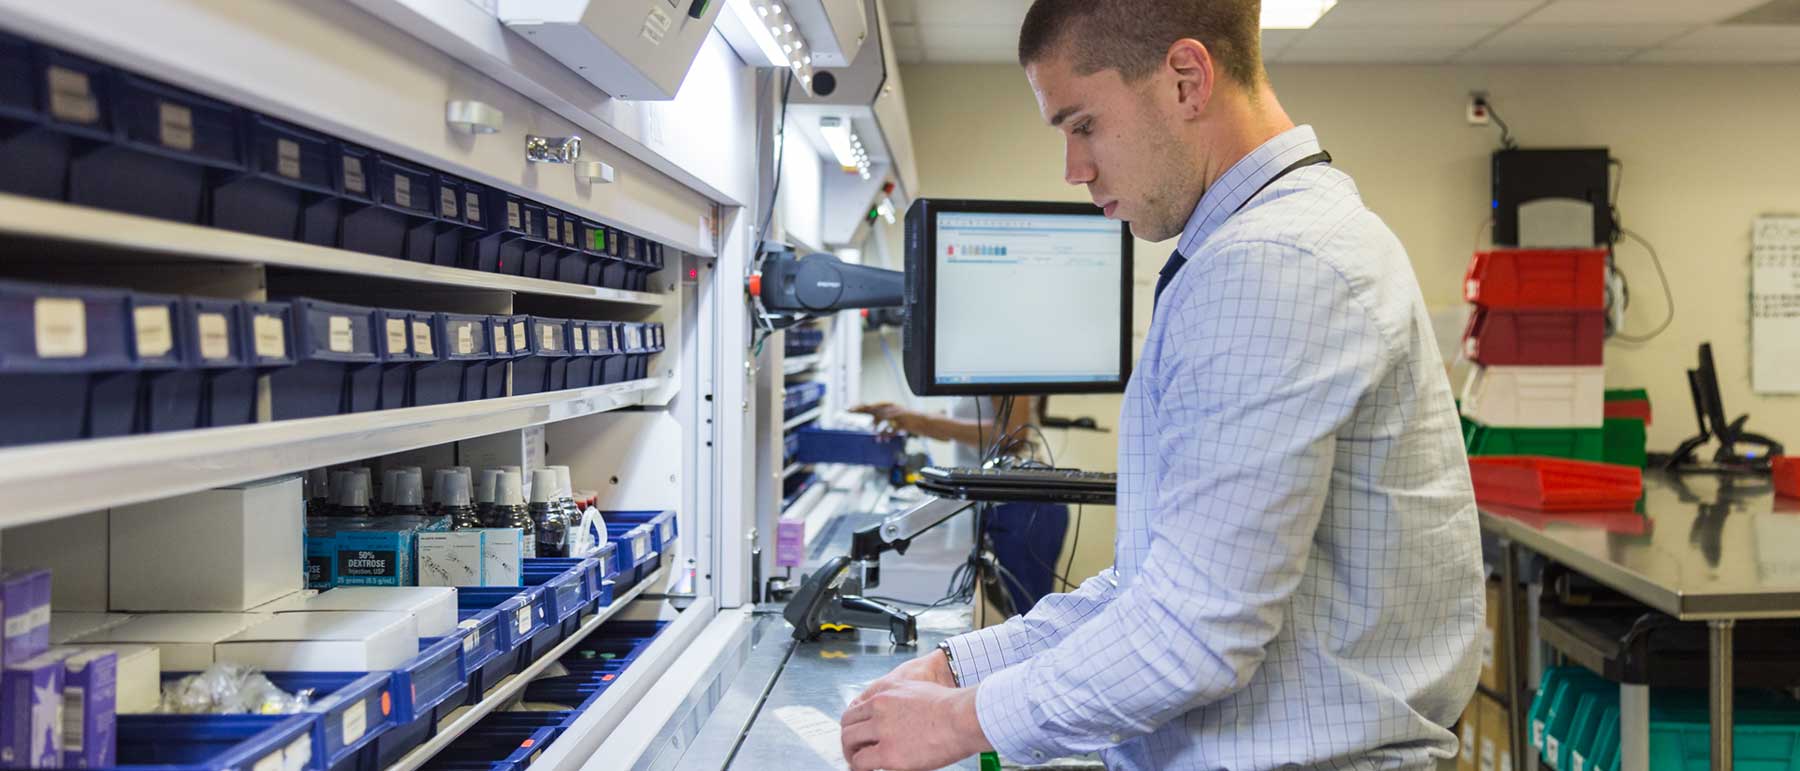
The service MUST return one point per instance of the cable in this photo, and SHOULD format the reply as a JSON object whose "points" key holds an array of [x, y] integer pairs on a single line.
{"points": [[1506, 137], [762, 231], [1074, 544], [1668, 293]]}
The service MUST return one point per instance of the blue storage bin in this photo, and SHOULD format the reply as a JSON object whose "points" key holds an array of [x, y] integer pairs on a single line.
{"points": [[218, 742], [506, 621], [52, 108], [508, 342], [802, 397], [661, 523], [336, 362], [457, 202], [545, 362], [565, 592], [631, 347], [860, 448], [267, 343], [485, 653], [350, 710], [523, 614], [425, 688], [572, 264], [614, 271], [65, 362], [612, 364], [397, 218], [172, 146], [212, 333], [537, 225], [591, 237], [393, 342], [637, 557], [169, 380], [580, 370], [286, 189], [790, 443], [498, 748], [511, 232], [457, 372]]}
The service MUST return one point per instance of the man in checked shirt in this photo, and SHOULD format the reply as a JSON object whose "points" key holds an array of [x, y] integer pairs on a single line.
{"points": [[1297, 573]]}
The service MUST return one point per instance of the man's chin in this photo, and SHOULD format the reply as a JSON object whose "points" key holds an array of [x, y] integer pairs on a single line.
{"points": [[1151, 233]]}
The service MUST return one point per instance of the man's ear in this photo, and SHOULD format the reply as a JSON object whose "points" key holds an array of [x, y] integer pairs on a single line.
{"points": [[1190, 64]]}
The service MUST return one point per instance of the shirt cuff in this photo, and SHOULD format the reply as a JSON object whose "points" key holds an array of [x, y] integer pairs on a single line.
{"points": [[1004, 710], [976, 655]]}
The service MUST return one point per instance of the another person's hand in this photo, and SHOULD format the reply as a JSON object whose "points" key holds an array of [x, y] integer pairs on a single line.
{"points": [[911, 725], [895, 418]]}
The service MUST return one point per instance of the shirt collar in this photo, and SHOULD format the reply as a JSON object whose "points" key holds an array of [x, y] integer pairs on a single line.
{"points": [[1243, 180]]}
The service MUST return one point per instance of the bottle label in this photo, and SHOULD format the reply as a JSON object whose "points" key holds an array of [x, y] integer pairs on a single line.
{"points": [[61, 327]]}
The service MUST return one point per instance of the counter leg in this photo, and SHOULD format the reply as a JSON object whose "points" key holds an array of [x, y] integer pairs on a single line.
{"points": [[1514, 600], [1719, 690], [1634, 727]]}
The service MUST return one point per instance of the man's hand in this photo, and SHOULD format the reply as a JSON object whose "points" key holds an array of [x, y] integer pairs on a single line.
{"points": [[933, 668], [895, 417], [911, 725]]}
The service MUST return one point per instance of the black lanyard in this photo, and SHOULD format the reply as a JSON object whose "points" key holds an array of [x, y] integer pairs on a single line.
{"points": [[1176, 260]]}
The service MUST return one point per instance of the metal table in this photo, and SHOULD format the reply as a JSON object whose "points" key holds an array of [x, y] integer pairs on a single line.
{"points": [[1713, 548]]}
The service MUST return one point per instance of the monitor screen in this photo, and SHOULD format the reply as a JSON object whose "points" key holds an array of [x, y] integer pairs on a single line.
{"points": [[1016, 298]]}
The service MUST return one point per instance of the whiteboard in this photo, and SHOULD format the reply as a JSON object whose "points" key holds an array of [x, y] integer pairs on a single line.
{"points": [[1775, 306]]}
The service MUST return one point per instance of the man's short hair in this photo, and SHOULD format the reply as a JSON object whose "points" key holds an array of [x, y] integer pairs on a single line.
{"points": [[1133, 36]]}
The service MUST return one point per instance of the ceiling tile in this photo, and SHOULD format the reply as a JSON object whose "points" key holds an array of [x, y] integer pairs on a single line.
{"points": [[1641, 11], [1361, 13], [1503, 54], [1779, 55], [1534, 35], [1438, 36], [934, 35], [900, 11], [1010, 13], [1740, 36], [1298, 54]]}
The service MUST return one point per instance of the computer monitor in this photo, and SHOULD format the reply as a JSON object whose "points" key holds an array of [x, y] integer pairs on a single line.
{"points": [[1016, 298]]}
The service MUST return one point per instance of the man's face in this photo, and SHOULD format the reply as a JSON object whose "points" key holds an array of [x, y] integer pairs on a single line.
{"points": [[1120, 143]]}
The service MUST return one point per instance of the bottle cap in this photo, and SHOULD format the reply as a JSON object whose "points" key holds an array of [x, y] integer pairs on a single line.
{"points": [[367, 478], [543, 485], [464, 470], [354, 491], [409, 488], [318, 483], [506, 490], [484, 490], [457, 488], [564, 488], [390, 484], [440, 484]]}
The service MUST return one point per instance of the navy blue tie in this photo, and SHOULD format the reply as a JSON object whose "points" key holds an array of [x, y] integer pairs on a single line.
{"points": [[1170, 268]]}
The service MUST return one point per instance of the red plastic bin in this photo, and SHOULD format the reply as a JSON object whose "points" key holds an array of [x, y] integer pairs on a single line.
{"points": [[1497, 337], [1541, 279], [1786, 471], [1633, 409], [1554, 484]]}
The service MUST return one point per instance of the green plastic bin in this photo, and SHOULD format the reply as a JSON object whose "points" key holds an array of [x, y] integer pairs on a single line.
{"points": [[1572, 443], [1627, 395], [1603, 753], [1562, 719], [1766, 731], [1582, 737], [1626, 440]]}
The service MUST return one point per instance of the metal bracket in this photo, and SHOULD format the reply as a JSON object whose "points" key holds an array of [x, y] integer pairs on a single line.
{"points": [[472, 117], [594, 172], [552, 149]]}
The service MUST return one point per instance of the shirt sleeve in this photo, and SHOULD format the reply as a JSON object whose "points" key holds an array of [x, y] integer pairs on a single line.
{"points": [[1265, 356], [976, 655]]}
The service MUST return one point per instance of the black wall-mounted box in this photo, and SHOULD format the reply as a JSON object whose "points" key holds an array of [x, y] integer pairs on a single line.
{"points": [[1522, 176]]}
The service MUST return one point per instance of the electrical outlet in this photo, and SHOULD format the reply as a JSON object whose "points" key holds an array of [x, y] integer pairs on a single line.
{"points": [[1478, 114]]}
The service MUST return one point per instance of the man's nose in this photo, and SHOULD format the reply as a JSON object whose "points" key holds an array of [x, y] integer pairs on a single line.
{"points": [[1078, 169]]}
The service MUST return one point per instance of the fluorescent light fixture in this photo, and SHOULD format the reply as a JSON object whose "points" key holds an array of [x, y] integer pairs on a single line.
{"points": [[754, 19], [837, 135], [1293, 14]]}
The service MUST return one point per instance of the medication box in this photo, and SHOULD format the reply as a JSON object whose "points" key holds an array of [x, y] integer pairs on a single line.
{"points": [[31, 712], [450, 559], [433, 609], [208, 551], [68, 626], [184, 641], [502, 557], [25, 606], [333, 641], [90, 708], [374, 558], [321, 556], [138, 676]]}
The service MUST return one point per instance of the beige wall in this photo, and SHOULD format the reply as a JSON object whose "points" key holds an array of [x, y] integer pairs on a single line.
{"points": [[1706, 150]]}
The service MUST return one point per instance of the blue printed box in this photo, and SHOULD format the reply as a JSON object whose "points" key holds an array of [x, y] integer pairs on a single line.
{"points": [[25, 608], [374, 558], [31, 712], [90, 708], [321, 559]]}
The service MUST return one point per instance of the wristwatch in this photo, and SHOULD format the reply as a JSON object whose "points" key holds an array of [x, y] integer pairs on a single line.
{"points": [[950, 660]]}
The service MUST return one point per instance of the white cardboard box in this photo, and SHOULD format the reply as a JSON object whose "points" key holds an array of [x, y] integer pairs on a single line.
{"points": [[335, 641], [73, 549], [450, 559], [433, 608], [185, 640], [216, 550], [1536, 397], [68, 626], [140, 676]]}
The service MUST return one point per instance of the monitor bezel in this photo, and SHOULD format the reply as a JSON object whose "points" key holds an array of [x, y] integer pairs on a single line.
{"points": [[924, 299]]}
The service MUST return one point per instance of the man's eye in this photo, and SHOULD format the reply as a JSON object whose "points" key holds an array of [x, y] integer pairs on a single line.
{"points": [[1084, 128]]}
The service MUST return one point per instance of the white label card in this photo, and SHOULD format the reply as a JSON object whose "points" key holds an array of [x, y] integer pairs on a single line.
{"points": [[578, 341], [472, 640], [71, 96], [61, 327], [175, 126], [403, 190], [472, 207], [447, 202], [155, 332], [396, 336], [287, 158], [353, 176], [523, 618], [512, 215], [356, 722], [518, 335], [215, 336], [298, 755], [340, 338], [465, 339], [271, 336], [422, 339], [270, 762], [593, 336], [547, 338]]}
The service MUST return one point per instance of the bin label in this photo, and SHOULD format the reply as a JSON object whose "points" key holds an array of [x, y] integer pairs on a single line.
{"points": [[338, 336], [71, 96], [271, 336], [403, 190], [465, 339], [355, 722], [523, 618], [472, 640], [298, 755], [353, 176], [155, 335], [553, 227], [270, 762], [61, 324], [599, 238], [547, 337], [472, 207], [512, 215], [422, 339], [500, 344], [447, 202], [396, 336], [578, 341], [569, 235], [287, 158], [518, 335], [594, 339], [175, 126], [215, 336]]}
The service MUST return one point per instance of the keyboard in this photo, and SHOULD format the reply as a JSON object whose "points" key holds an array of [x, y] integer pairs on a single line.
{"points": [[1058, 478]]}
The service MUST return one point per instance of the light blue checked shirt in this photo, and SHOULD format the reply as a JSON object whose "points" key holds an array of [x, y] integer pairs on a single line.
{"points": [[1297, 578]]}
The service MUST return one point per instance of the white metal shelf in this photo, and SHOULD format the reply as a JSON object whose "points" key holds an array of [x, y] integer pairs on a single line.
{"points": [[801, 364], [45, 481], [128, 234], [460, 721], [803, 419]]}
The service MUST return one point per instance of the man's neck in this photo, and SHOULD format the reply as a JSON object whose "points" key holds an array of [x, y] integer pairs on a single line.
{"points": [[1250, 124]]}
